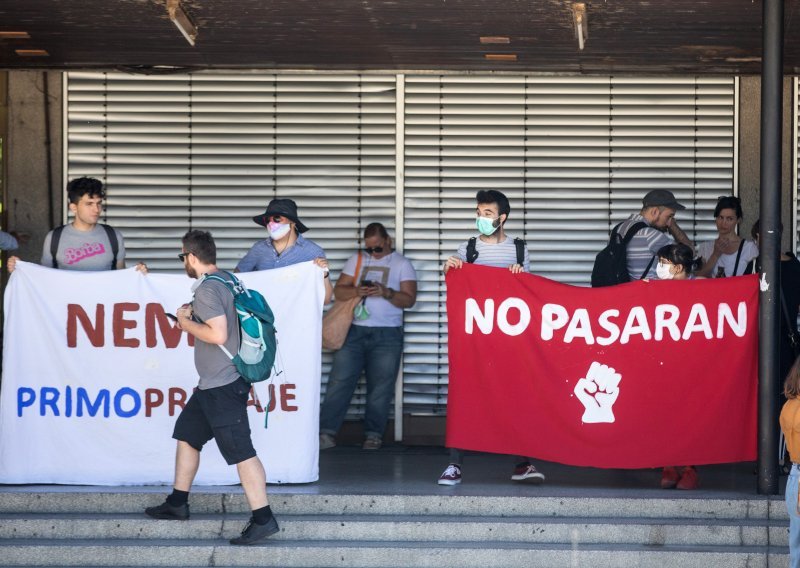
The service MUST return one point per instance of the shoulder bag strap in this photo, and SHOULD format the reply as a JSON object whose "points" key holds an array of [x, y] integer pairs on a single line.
{"points": [[112, 239], [738, 256], [358, 269], [55, 238]]}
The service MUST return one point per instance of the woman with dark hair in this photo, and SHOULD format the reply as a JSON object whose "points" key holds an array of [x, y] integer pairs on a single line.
{"points": [[387, 284], [728, 254]]}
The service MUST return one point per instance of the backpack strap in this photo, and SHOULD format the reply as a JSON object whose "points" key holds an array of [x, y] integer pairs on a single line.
{"points": [[472, 251], [55, 238], [112, 238], [738, 256], [630, 233], [520, 244]]}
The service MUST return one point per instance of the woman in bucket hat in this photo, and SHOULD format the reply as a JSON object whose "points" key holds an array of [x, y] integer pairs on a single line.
{"points": [[285, 244]]}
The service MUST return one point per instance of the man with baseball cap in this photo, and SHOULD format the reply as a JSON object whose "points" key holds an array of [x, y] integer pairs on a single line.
{"points": [[658, 211], [285, 245]]}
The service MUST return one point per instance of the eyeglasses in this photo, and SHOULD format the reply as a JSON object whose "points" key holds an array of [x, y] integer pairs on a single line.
{"points": [[182, 256], [370, 250]]}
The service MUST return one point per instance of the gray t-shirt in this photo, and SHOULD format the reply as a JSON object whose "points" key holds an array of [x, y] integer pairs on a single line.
{"points": [[83, 250], [499, 255], [215, 369], [643, 247]]}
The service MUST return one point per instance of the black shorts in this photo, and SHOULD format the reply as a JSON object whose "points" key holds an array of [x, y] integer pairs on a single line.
{"points": [[219, 413]]}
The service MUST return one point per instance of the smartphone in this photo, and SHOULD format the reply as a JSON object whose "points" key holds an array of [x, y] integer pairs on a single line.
{"points": [[173, 317], [369, 283]]}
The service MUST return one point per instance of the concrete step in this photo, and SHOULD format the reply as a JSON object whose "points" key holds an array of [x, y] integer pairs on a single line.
{"points": [[128, 500], [382, 554], [431, 528]]}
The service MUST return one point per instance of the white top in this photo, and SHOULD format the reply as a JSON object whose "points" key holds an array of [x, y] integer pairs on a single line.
{"points": [[727, 261], [388, 271]]}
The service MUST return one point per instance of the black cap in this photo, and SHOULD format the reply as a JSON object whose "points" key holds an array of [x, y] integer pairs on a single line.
{"points": [[662, 198], [283, 207]]}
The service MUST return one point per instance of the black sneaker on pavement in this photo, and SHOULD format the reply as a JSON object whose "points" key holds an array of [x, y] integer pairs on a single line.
{"points": [[253, 532], [168, 512]]}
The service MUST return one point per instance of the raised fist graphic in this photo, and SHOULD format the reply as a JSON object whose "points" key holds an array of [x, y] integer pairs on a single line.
{"points": [[598, 391]]}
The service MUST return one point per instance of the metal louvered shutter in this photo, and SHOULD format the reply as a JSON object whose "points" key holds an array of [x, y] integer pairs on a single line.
{"points": [[574, 155], [209, 150]]}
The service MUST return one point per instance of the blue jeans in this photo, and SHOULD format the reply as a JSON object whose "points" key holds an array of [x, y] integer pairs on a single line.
{"points": [[794, 516], [377, 351]]}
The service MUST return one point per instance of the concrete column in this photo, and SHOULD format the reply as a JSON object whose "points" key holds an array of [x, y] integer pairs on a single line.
{"points": [[749, 156], [33, 160]]}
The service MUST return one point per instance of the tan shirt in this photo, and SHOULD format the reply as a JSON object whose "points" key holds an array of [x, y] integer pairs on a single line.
{"points": [[790, 425]]}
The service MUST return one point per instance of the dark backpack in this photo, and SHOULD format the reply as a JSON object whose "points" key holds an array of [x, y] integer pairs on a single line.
{"points": [[112, 238], [472, 251], [611, 263], [257, 336]]}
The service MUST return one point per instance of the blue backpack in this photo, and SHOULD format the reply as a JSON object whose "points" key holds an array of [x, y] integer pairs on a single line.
{"points": [[257, 335]]}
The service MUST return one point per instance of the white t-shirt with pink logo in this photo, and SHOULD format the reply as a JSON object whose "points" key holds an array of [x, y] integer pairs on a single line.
{"points": [[82, 250]]}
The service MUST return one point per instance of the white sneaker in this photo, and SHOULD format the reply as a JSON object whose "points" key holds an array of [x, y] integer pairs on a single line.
{"points": [[326, 441], [527, 473], [451, 475]]}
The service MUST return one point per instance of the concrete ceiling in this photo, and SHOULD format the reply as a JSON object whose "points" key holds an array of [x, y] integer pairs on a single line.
{"points": [[624, 36]]}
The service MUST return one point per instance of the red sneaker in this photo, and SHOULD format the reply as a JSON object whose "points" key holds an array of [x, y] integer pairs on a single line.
{"points": [[669, 478], [688, 478]]}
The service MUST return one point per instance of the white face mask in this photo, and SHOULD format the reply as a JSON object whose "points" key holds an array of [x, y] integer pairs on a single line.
{"points": [[663, 272], [278, 230]]}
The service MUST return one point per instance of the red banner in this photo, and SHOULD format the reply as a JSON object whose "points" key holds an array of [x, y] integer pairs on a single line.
{"points": [[644, 374]]}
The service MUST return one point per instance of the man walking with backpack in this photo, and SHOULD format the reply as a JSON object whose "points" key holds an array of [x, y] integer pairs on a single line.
{"points": [[218, 408], [650, 227], [85, 243], [491, 248]]}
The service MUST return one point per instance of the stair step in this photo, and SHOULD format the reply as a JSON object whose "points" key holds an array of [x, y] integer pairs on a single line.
{"points": [[371, 554], [125, 500], [595, 530]]}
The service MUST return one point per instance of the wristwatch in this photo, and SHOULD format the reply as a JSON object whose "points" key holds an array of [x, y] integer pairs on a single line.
{"points": [[391, 294]]}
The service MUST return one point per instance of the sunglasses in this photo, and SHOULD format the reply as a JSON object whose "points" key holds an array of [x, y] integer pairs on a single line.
{"points": [[370, 250], [183, 255]]}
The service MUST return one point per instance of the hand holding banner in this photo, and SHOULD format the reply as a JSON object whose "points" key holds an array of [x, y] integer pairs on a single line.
{"points": [[643, 374]]}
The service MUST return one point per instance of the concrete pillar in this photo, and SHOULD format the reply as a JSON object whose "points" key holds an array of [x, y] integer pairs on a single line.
{"points": [[749, 155], [34, 190]]}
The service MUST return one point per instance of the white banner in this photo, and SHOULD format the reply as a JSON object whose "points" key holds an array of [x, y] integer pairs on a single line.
{"points": [[94, 377]]}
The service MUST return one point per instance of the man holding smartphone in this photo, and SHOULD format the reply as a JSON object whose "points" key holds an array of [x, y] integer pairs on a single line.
{"points": [[218, 408]]}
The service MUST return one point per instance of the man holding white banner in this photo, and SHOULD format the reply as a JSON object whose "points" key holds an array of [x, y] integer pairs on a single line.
{"points": [[218, 408]]}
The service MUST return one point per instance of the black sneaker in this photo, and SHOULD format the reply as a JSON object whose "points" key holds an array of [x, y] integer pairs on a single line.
{"points": [[168, 512], [253, 532]]}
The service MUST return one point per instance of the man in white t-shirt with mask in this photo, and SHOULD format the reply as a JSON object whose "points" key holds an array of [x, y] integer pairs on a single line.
{"points": [[387, 283]]}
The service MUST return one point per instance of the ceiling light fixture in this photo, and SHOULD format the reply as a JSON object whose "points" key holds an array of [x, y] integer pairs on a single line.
{"points": [[31, 52], [182, 21], [501, 56], [581, 23], [495, 39], [15, 35]]}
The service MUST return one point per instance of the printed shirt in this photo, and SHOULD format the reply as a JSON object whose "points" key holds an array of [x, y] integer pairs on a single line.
{"points": [[728, 261], [262, 255], [388, 271], [82, 250]]}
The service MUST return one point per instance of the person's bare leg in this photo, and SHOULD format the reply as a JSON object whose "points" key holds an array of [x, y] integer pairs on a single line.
{"points": [[187, 461], [254, 482]]}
